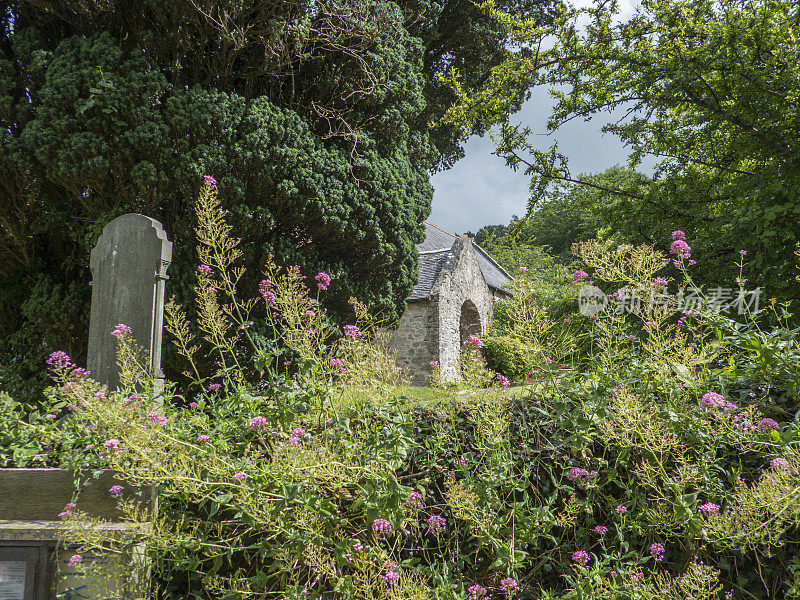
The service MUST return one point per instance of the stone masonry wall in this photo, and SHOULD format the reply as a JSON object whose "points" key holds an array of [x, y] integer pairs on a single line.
{"points": [[464, 282], [416, 339]]}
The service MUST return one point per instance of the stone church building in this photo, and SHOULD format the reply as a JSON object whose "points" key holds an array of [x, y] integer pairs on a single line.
{"points": [[452, 300]]}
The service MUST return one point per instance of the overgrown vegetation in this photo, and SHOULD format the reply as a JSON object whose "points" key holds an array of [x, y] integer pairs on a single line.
{"points": [[657, 460]]}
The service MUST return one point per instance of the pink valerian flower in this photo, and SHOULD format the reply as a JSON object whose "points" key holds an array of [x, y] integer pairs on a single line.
{"points": [[580, 474], [476, 592], [436, 524], [523, 269], [742, 252], [621, 510], [780, 464], [579, 276], [323, 280], [680, 249], [509, 585], [52, 417], [729, 595], [203, 438], [74, 560], [580, 557], [309, 314], [156, 419], [712, 400], [381, 528], [59, 359], [391, 577], [257, 423], [651, 324], [100, 396], [767, 424], [214, 387], [708, 507], [67, 512], [336, 363], [121, 330], [210, 182], [503, 380], [113, 444], [192, 405], [600, 529], [294, 440], [299, 432], [239, 476], [678, 235], [358, 547], [661, 281], [657, 551], [473, 340], [115, 490], [352, 331], [415, 500], [205, 270], [637, 576]]}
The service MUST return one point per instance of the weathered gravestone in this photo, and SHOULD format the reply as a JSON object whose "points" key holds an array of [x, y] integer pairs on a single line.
{"points": [[129, 270]]}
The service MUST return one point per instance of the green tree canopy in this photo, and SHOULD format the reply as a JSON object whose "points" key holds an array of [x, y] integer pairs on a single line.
{"points": [[709, 88], [312, 115]]}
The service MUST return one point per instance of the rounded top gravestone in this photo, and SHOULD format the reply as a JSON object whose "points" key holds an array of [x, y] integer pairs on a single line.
{"points": [[129, 266]]}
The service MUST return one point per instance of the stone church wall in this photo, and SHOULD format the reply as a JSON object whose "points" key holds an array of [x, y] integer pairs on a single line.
{"points": [[416, 339], [464, 282]]}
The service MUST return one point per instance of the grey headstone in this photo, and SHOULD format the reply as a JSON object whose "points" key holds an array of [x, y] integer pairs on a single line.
{"points": [[129, 269]]}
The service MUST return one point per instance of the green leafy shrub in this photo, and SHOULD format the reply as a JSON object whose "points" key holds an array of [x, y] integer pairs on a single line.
{"points": [[665, 466], [508, 355]]}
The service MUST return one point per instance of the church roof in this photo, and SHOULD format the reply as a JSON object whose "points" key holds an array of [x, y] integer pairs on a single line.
{"points": [[438, 250]]}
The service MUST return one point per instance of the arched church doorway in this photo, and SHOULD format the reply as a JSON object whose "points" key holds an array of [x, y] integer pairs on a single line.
{"points": [[470, 321]]}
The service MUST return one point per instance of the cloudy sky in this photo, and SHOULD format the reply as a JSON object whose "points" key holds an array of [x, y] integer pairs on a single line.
{"points": [[480, 190]]}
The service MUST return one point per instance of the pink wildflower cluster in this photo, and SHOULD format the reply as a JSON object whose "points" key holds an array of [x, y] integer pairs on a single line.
{"points": [[679, 247], [523, 269], [352, 331], [204, 269], [214, 387], [298, 434], [61, 361], [121, 330], [415, 500], [476, 592], [239, 476], [509, 585], [503, 380], [660, 281], [112, 444], [708, 507], [115, 490], [657, 551], [67, 512], [381, 528], [580, 557], [323, 280], [767, 424], [436, 524], [210, 182], [712, 400], [265, 289], [257, 423], [156, 419], [473, 341], [579, 276], [74, 560], [580, 474], [780, 464], [203, 438], [391, 577], [600, 529], [621, 510]]}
